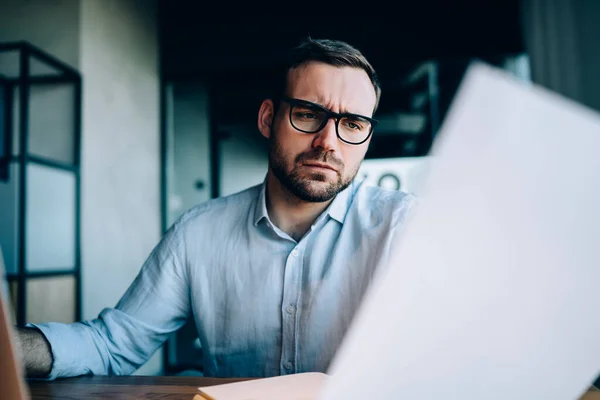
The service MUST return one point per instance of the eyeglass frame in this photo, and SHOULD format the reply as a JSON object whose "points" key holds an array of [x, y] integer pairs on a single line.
{"points": [[328, 114]]}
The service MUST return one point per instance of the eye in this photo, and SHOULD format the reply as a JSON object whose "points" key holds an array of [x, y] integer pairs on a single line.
{"points": [[353, 125], [306, 115]]}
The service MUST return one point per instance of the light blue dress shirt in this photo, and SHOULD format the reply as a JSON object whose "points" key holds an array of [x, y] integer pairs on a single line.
{"points": [[264, 304]]}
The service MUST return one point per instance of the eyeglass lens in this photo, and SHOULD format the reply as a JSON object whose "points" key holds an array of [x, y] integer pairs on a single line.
{"points": [[309, 119]]}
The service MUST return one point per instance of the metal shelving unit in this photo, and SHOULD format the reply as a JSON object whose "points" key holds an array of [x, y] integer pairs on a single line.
{"points": [[40, 183]]}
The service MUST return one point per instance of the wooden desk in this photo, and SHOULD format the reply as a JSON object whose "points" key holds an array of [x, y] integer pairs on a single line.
{"points": [[139, 387], [122, 387]]}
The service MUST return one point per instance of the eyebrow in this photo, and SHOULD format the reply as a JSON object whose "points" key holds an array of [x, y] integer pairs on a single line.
{"points": [[319, 101]]}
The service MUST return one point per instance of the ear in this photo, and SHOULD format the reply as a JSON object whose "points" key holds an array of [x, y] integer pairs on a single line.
{"points": [[266, 115]]}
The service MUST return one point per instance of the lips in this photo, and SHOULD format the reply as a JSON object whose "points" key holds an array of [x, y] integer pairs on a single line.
{"points": [[320, 165]]}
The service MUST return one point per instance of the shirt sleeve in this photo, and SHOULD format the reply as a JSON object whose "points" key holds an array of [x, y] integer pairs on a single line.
{"points": [[123, 338]]}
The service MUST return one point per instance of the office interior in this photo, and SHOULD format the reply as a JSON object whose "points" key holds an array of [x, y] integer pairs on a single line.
{"points": [[116, 116]]}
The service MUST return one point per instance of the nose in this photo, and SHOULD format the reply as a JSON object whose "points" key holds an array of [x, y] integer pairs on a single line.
{"points": [[327, 138]]}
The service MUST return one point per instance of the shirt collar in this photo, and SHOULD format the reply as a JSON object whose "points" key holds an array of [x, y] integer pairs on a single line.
{"points": [[337, 209], [341, 204], [260, 211]]}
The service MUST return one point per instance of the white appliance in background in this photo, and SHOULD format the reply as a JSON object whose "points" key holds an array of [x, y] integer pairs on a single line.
{"points": [[401, 173]]}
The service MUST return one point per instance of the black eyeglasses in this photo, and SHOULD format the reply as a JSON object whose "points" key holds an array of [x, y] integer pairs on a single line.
{"points": [[308, 117]]}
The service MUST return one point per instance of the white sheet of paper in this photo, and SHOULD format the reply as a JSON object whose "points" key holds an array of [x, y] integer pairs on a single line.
{"points": [[304, 386], [494, 291]]}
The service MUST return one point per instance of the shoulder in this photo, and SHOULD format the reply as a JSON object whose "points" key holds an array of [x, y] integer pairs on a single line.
{"points": [[232, 206], [383, 204], [204, 222], [395, 201]]}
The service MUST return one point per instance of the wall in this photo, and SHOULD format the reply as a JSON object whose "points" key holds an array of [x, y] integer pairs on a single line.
{"points": [[52, 25], [120, 148], [243, 158], [113, 43], [188, 146], [588, 27], [562, 40]]}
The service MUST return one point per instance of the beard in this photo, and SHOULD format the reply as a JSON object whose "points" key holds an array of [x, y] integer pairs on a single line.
{"points": [[307, 187]]}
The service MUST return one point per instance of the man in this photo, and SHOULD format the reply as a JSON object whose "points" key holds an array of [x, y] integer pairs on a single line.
{"points": [[272, 275]]}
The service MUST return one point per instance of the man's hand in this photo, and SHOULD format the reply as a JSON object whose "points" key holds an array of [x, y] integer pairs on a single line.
{"points": [[35, 352]]}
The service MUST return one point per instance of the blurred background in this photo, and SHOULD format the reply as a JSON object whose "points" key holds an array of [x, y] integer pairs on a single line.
{"points": [[116, 116]]}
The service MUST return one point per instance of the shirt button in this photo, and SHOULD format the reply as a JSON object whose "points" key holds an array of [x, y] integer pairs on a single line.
{"points": [[290, 309], [288, 365], [295, 252]]}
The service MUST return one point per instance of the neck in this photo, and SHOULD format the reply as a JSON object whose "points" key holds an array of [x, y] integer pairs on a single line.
{"points": [[288, 212]]}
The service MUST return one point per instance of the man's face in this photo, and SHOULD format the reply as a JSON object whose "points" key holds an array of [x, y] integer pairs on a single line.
{"points": [[315, 167]]}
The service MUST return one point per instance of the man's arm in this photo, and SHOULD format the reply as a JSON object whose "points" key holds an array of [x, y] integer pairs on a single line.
{"points": [[35, 352], [122, 338]]}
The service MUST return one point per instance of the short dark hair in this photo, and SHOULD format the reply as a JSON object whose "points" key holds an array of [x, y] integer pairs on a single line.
{"points": [[332, 52]]}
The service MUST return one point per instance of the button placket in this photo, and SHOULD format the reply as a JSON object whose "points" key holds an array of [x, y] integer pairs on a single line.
{"points": [[292, 276]]}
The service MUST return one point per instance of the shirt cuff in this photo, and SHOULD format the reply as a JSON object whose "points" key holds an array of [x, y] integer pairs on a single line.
{"points": [[67, 347]]}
